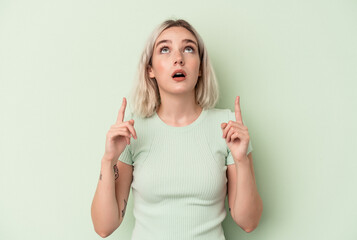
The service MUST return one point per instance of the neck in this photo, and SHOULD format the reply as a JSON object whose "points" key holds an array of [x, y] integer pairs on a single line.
{"points": [[179, 110]]}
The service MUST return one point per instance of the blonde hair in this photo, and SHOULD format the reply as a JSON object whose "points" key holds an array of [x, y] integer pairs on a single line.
{"points": [[145, 96]]}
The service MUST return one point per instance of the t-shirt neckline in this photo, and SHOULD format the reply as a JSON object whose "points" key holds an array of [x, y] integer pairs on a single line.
{"points": [[184, 128]]}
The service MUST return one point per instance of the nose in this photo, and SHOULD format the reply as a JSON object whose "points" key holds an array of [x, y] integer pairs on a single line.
{"points": [[178, 59]]}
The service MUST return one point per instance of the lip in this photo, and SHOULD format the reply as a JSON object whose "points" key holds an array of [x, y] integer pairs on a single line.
{"points": [[179, 79], [179, 71]]}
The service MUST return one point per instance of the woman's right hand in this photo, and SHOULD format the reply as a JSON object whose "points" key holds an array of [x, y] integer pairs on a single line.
{"points": [[119, 135]]}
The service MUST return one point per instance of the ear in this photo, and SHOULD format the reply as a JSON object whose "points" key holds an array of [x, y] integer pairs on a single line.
{"points": [[150, 72]]}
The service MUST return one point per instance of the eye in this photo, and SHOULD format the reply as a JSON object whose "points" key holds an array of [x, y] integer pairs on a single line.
{"points": [[190, 48], [163, 48]]}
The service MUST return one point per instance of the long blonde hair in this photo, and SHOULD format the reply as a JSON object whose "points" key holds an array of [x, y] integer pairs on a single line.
{"points": [[145, 96]]}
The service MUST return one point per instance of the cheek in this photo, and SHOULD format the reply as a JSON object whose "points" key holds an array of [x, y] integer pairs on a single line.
{"points": [[160, 67], [197, 66]]}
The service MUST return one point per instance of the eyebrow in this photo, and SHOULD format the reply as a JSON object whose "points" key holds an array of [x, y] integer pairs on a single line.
{"points": [[185, 40]]}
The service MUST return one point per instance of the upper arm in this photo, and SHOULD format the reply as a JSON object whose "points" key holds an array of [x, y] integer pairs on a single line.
{"points": [[122, 187], [232, 182]]}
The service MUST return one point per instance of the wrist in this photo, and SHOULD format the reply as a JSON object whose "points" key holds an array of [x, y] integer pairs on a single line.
{"points": [[108, 160], [242, 162]]}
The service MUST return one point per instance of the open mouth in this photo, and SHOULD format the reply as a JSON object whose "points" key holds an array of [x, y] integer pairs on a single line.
{"points": [[179, 75]]}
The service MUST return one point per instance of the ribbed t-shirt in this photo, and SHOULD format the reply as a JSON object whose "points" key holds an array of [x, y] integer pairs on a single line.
{"points": [[179, 177]]}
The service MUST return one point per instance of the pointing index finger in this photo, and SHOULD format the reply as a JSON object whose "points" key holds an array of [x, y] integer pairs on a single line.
{"points": [[237, 111], [121, 113]]}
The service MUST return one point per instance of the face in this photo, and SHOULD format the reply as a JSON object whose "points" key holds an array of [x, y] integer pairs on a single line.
{"points": [[176, 48]]}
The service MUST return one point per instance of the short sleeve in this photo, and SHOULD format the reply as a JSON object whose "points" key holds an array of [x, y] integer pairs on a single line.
{"points": [[229, 159], [126, 155]]}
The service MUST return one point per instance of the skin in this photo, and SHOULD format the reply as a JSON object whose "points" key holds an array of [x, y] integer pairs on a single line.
{"points": [[111, 196], [178, 106], [245, 204]]}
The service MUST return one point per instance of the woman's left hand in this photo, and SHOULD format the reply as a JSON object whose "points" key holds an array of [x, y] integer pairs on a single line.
{"points": [[236, 135]]}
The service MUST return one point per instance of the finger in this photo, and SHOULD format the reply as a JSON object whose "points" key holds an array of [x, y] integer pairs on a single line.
{"points": [[121, 125], [223, 126], [128, 127], [236, 126], [238, 111], [236, 135], [118, 132], [121, 113], [132, 129], [122, 133], [230, 133], [226, 129], [243, 136]]}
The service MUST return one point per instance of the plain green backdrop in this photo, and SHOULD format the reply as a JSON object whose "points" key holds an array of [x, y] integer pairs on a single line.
{"points": [[66, 65]]}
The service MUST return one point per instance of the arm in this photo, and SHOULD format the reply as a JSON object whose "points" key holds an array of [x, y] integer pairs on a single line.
{"points": [[244, 201], [109, 202]]}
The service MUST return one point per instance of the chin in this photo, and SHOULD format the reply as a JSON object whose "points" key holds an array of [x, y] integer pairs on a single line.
{"points": [[176, 91], [184, 91]]}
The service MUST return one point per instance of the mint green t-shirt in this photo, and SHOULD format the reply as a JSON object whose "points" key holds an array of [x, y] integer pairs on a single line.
{"points": [[179, 177]]}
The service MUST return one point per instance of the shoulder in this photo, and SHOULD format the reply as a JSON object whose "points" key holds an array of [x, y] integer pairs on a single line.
{"points": [[214, 118], [223, 115], [130, 114], [220, 114], [144, 126]]}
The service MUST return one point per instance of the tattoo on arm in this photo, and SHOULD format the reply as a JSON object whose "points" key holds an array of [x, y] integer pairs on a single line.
{"points": [[123, 211], [116, 172]]}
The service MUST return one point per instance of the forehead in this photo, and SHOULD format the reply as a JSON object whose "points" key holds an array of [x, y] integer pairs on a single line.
{"points": [[175, 33]]}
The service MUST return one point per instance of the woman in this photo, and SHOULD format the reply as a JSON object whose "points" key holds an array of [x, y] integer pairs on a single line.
{"points": [[185, 152]]}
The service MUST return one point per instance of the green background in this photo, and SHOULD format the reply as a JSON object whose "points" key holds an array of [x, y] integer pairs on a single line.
{"points": [[65, 66]]}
